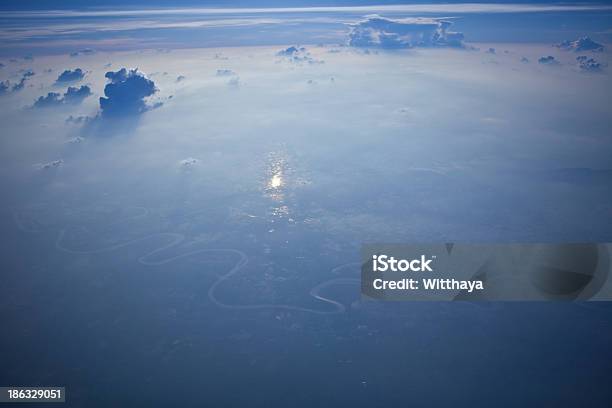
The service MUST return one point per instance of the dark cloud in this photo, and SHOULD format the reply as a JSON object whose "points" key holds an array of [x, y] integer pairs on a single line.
{"points": [[26, 74], [580, 45], [76, 95], [51, 99], [490, 51], [72, 95], [125, 93], [20, 85], [71, 75], [548, 60], [4, 87], [588, 64], [377, 31], [291, 51]]}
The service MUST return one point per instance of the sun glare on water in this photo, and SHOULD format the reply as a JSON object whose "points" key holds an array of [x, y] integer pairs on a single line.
{"points": [[276, 181]]}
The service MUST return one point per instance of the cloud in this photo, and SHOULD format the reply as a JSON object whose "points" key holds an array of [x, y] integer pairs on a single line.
{"points": [[51, 165], [19, 85], [51, 99], [78, 120], [588, 64], [125, 93], [71, 76], [76, 95], [490, 51], [75, 140], [234, 81], [377, 31], [299, 55], [225, 72], [180, 78], [290, 52], [580, 45], [72, 95], [548, 60], [6, 88], [188, 163], [86, 51]]}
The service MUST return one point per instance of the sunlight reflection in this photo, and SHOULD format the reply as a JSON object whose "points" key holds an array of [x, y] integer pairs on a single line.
{"points": [[276, 184], [276, 181]]}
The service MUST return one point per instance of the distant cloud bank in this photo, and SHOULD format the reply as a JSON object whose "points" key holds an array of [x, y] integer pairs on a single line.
{"points": [[381, 32], [581, 45]]}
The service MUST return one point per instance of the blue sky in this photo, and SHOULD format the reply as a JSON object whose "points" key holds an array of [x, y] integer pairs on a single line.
{"points": [[123, 27], [45, 4]]}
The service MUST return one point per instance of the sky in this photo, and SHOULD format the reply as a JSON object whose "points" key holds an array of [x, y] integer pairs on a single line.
{"points": [[27, 32], [198, 182], [63, 4]]}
